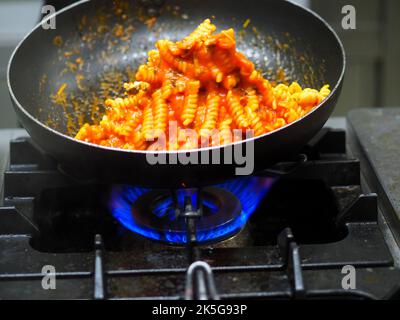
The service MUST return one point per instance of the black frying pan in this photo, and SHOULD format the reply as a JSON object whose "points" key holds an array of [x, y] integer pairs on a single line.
{"points": [[286, 38]]}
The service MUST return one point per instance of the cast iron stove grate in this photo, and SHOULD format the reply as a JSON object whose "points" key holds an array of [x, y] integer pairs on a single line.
{"points": [[314, 221]]}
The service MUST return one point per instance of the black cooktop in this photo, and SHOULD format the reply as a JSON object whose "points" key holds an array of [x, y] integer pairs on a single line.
{"points": [[314, 219]]}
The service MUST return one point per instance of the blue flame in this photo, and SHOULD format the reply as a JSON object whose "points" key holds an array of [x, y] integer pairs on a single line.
{"points": [[249, 190]]}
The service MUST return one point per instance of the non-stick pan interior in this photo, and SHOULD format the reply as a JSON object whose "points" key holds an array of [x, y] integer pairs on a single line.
{"points": [[61, 77]]}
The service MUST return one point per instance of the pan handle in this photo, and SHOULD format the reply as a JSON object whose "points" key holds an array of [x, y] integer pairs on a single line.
{"points": [[286, 168]]}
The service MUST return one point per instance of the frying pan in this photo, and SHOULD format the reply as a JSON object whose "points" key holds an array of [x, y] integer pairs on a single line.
{"points": [[86, 55]]}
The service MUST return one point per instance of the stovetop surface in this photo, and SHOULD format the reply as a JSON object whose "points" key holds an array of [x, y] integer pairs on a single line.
{"points": [[313, 222], [374, 136]]}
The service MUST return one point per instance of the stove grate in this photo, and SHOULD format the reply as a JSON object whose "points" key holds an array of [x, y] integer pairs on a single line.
{"points": [[108, 266]]}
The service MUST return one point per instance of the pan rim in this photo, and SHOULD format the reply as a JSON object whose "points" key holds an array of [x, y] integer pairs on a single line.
{"points": [[165, 152]]}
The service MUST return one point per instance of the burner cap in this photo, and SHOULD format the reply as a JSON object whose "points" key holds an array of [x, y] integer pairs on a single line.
{"points": [[156, 211]]}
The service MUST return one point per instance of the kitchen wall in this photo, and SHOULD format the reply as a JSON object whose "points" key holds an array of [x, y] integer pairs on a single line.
{"points": [[373, 49], [16, 19]]}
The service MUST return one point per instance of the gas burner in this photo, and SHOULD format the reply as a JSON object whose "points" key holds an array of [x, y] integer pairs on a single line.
{"points": [[179, 217]]}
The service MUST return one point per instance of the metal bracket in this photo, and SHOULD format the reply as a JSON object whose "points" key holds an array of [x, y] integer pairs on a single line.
{"points": [[99, 283], [363, 209], [200, 283], [286, 168], [292, 262]]}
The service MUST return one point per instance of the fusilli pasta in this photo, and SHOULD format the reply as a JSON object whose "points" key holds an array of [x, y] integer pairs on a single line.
{"points": [[200, 83]]}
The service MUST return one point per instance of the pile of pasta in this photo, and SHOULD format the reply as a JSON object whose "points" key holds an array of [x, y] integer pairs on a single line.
{"points": [[200, 83]]}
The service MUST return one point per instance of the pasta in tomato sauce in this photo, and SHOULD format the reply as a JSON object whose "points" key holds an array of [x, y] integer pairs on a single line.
{"points": [[201, 83]]}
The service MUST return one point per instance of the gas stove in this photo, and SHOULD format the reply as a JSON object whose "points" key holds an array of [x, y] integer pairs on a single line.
{"points": [[285, 233]]}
